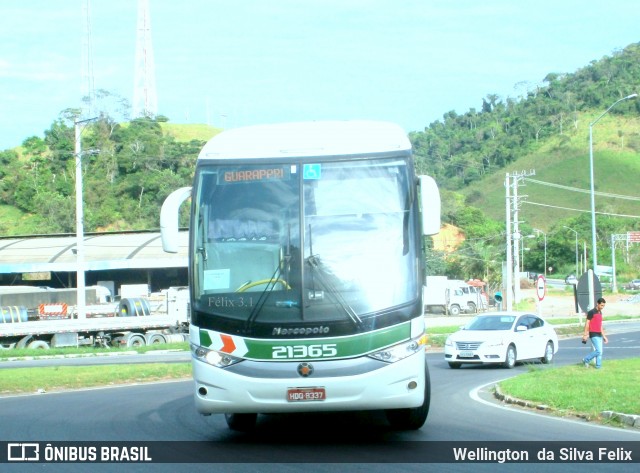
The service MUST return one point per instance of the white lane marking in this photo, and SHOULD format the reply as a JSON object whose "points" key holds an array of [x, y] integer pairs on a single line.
{"points": [[473, 394], [606, 346]]}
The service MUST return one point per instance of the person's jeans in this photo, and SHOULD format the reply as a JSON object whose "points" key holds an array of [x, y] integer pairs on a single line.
{"points": [[596, 343]]}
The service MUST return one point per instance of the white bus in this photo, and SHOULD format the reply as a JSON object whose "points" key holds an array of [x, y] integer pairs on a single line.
{"points": [[306, 271]]}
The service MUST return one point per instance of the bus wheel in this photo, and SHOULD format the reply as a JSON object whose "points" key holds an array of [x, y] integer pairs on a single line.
{"points": [[241, 422], [412, 418]]}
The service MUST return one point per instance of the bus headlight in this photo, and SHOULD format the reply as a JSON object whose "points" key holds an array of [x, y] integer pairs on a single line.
{"points": [[401, 350], [212, 357]]}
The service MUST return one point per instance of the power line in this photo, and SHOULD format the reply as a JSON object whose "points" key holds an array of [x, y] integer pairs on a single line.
{"points": [[584, 191], [579, 210]]}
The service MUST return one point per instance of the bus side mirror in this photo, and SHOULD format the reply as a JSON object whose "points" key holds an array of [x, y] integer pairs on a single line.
{"points": [[169, 218], [430, 205]]}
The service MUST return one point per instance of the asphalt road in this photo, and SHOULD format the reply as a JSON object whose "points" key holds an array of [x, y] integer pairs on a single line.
{"points": [[462, 410]]}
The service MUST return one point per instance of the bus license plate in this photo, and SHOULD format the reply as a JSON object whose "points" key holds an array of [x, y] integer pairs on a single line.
{"points": [[466, 354], [306, 394]]}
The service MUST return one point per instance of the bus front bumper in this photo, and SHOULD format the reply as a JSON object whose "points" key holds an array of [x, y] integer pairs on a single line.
{"points": [[276, 387]]}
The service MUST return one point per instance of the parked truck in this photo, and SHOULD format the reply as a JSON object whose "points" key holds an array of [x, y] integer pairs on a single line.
{"points": [[128, 322], [452, 296]]}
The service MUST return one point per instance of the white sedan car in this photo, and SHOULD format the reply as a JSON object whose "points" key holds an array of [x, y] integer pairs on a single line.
{"points": [[502, 337]]}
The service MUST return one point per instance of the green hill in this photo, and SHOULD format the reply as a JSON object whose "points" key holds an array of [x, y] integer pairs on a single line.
{"points": [[189, 132], [564, 162], [546, 131]]}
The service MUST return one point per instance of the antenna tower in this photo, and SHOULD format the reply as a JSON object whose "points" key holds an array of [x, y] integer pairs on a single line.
{"points": [[145, 101], [87, 88]]}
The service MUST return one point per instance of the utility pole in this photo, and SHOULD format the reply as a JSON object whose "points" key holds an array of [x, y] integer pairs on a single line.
{"points": [[516, 242], [88, 92], [629, 237], [81, 300], [508, 291], [515, 235], [614, 238]]}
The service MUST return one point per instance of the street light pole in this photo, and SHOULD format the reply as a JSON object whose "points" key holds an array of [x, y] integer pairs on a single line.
{"points": [[81, 311], [568, 228], [593, 199], [545, 250]]}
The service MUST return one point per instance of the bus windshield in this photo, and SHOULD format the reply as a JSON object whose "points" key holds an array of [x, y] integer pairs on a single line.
{"points": [[322, 246]]}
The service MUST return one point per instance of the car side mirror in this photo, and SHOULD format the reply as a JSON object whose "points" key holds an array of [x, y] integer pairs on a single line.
{"points": [[521, 328]]}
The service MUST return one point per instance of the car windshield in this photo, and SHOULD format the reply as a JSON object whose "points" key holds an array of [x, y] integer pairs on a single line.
{"points": [[502, 322]]}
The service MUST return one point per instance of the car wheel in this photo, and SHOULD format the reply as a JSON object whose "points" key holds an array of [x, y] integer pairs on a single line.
{"points": [[454, 365], [548, 353], [510, 360]]}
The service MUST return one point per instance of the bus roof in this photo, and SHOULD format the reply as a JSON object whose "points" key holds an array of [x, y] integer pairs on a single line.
{"points": [[307, 139]]}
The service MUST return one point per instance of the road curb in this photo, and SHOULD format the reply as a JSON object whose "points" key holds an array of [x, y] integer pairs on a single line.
{"points": [[629, 420]]}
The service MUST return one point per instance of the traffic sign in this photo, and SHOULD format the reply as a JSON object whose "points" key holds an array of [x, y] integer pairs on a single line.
{"points": [[589, 290], [541, 287]]}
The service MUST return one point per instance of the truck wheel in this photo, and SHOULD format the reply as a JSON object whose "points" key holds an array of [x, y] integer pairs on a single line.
{"points": [[135, 341], [155, 339], [471, 307], [454, 310], [38, 345], [174, 338]]}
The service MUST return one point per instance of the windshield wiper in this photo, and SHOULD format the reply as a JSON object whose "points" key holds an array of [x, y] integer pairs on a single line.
{"points": [[271, 284], [203, 237], [316, 270], [262, 299]]}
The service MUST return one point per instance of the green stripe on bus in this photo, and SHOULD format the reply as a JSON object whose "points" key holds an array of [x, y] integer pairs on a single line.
{"points": [[317, 348]]}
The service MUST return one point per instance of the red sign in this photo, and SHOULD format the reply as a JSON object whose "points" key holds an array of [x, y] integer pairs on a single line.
{"points": [[541, 287], [633, 237], [53, 309]]}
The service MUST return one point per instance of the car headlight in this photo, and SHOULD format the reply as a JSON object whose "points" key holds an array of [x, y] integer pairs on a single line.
{"points": [[448, 342], [401, 350], [213, 357]]}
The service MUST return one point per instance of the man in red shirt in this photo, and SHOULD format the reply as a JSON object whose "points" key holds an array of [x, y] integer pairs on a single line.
{"points": [[594, 330]]}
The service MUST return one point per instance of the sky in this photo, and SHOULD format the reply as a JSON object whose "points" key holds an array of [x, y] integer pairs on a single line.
{"points": [[230, 63]]}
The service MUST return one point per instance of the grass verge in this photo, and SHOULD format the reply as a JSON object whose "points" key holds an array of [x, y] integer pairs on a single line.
{"points": [[86, 351], [60, 378], [576, 390]]}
